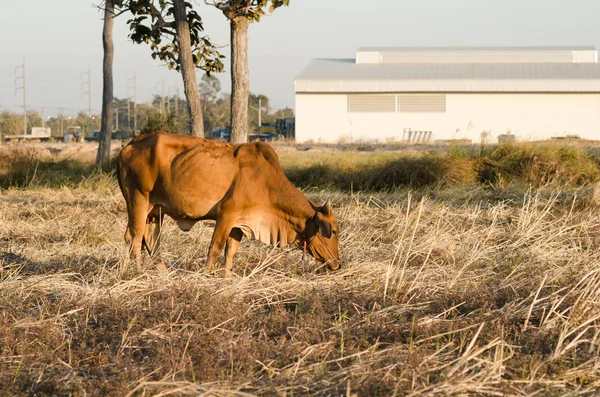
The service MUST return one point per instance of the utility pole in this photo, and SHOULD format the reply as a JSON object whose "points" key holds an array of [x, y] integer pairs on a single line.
{"points": [[134, 101], [116, 118], [168, 100], [171, 99], [23, 87], [43, 121], [62, 119], [162, 98], [89, 92], [128, 105], [259, 114]]}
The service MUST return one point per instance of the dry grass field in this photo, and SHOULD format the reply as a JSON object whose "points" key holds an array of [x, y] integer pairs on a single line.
{"points": [[473, 288]]}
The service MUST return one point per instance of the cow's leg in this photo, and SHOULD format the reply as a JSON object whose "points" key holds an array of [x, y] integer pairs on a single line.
{"points": [[219, 238], [231, 247], [152, 236], [137, 225], [153, 230]]}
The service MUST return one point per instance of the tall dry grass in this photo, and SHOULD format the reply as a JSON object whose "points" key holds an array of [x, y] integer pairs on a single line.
{"points": [[457, 291], [534, 164], [537, 165]]}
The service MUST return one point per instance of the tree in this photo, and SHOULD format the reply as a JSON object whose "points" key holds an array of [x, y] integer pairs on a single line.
{"points": [[84, 121], [240, 13], [34, 119], [209, 88], [11, 123], [172, 28], [123, 113], [217, 113], [285, 113], [107, 85]]}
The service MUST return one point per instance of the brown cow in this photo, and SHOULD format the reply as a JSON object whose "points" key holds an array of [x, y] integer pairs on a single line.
{"points": [[242, 187]]}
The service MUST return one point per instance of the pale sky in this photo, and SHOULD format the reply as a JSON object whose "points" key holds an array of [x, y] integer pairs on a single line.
{"points": [[61, 38]]}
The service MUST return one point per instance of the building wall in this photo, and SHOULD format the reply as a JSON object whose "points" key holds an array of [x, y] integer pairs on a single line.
{"points": [[325, 118]]}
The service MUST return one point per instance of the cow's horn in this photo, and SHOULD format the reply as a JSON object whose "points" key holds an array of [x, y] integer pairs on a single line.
{"points": [[326, 207]]}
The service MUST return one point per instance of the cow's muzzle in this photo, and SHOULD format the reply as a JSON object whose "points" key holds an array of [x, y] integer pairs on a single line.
{"points": [[334, 265]]}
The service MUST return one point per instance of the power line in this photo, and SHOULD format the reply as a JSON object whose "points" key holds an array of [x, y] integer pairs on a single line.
{"points": [[61, 82], [52, 89], [46, 81], [35, 106], [45, 100]]}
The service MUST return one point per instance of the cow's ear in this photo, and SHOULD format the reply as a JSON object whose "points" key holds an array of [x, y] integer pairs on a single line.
{"points": [[324, 227], [326, 208]]}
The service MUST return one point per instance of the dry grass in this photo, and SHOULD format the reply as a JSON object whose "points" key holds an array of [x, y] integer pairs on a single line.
{"points": [[475, 284], [455, 291], [351, 168]]}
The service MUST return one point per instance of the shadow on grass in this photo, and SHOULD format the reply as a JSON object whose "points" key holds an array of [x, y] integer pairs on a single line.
{"points": [[528, 163], [24, 168], [412, 171], [498, 167], [87, 266]]}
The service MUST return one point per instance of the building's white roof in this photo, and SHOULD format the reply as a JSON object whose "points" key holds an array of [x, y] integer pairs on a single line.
{"points": [[442, 71], [336, 75]]}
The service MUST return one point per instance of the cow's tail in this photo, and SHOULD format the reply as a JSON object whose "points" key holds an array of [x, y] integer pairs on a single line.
{"points": [[119, 176], [128, 236]]}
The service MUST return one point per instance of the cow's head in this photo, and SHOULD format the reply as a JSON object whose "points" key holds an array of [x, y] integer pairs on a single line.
{"points": [[321, 236]]}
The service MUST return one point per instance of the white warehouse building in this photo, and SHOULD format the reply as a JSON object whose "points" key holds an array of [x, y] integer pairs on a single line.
{"points": [[435, 94]]}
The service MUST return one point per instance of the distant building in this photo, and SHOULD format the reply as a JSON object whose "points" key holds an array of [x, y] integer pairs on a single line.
{"points": [[429, 94]]}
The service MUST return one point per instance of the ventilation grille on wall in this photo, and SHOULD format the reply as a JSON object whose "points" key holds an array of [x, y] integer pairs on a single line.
{"points": [[371, 103], [422, 103], [406, 103]]}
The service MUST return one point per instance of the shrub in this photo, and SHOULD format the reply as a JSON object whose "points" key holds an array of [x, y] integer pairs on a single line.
{"points": [[379, 172], [538, 165]]}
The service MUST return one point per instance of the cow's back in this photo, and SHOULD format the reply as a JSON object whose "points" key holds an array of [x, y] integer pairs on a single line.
{"points": [[261, 178], [190, 176]]}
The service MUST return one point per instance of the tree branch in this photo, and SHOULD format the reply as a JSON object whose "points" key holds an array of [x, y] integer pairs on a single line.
{"points": [[159, 16], [115, 14]]}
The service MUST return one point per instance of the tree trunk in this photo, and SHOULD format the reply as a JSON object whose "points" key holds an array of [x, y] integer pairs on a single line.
{"points": [[107, 89], [239, 80], [188, 71]]}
